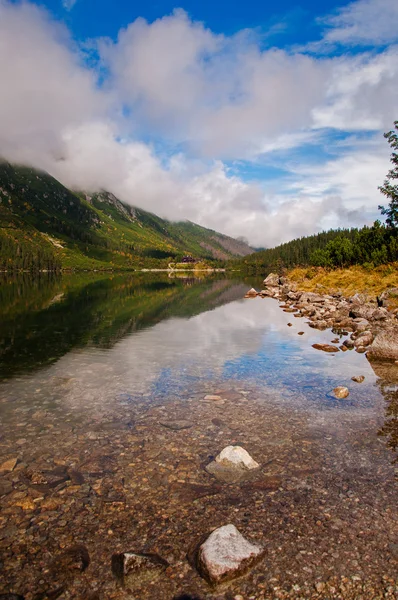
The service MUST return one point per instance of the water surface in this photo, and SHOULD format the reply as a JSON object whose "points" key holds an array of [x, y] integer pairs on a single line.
{"points": [[93, 367]]}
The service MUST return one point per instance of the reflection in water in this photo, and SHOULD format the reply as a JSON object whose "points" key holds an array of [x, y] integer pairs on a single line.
{"points": [[388, 384], [42, 319], [97, 370]]}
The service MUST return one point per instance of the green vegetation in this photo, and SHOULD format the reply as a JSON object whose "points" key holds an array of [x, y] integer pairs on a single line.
{"points": [[44, 317], [388, 189], [45, 226]]}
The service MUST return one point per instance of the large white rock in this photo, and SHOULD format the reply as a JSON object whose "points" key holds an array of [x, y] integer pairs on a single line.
{"points": [[226, 554], [272, 280], [236, 456]]}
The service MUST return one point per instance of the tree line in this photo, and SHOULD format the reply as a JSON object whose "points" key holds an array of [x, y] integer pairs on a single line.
{"points": [[369, 246]]}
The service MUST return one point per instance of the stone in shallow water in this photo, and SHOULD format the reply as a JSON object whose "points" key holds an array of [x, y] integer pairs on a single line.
{"points": [[341, 392], [177, 425], [134, 569], [325, 347], [251, 293], [358, 378], [8, 465], [226, 554], [236, 456], [232, 464]]}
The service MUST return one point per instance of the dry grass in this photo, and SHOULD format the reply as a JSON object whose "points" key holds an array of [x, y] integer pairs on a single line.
{"points": [[348, 281]]}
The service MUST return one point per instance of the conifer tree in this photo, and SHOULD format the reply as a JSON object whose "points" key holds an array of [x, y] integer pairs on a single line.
{"points": [[389, 188]]}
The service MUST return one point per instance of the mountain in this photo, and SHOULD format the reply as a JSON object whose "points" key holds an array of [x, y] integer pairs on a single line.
{"points": [[47, 226]]}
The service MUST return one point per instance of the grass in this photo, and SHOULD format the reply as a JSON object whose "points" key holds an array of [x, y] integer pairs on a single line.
{"points": [[348, 281]]}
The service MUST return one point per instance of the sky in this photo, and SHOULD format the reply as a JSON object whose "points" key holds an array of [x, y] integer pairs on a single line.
{"points": [[259, 120]]}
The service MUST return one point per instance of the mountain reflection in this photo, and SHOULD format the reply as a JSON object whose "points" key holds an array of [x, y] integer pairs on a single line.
{"points": [[41, 319]]}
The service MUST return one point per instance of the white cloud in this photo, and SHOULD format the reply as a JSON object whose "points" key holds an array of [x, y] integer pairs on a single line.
{"points": [[365, 22], [215, 98]]}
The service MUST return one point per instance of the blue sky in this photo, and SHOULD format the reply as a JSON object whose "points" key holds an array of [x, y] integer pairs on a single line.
{"points": [[260, 120]]}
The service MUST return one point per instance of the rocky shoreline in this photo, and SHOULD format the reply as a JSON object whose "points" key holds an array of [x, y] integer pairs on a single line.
{"points": [[368, 324]]}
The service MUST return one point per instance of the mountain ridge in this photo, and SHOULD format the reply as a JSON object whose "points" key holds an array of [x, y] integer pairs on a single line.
{"points": [[45, 225]]}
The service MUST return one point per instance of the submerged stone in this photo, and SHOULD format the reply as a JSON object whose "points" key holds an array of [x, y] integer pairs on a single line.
{"points": [[236, 456], [251, 293], [8, 465], [177, 425], [134, 569], [225, 555], [233, 464], [341, 392], [325, 347]]}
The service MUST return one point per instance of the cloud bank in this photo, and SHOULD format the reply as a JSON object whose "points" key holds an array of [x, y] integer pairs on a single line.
{"points": [[266, 143]]}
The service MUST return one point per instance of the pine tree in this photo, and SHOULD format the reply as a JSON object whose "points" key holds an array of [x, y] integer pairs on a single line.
{"points": [[389, 188]]}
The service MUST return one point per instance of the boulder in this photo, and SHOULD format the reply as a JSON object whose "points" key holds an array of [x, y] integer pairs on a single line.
{"points": [[236, 456], [385, 345], [233, 464], [341, 392], [348, 343], [310, 297], [319, 325], [325, 347], [251, 293], [225, 555], [365, 338], [358, 378], [271, 280], [387, 298]]}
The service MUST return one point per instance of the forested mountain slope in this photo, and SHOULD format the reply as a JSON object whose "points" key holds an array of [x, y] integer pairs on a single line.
{"points": [[45, 225]]}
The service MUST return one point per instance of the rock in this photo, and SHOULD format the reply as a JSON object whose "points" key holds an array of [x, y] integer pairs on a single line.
{"points": [[251, 293], [74, 559], [5, 487], [385, 345], [387, 298], [232, 464], [348, 343], [325, 347], [358, 378], [236, 455], [310, 297], [214, 398], [8, 465], [225, 555], [290, 324], [365, 338], [177, 425], [272, 280], [76, 477], [319, 324], [133, 569], [341, 392]]}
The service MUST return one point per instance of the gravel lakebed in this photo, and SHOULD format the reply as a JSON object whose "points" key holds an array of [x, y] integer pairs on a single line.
{"points": [[80, 486]]}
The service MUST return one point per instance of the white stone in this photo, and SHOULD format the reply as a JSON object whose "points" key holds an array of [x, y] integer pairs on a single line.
{"points": [[236, 456], [226, 554]]}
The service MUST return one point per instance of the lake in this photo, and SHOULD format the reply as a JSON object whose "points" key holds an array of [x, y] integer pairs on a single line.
{"points": [[117, 391]]}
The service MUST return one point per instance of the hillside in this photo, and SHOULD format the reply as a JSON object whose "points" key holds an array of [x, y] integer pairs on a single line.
{"points": [[369, 246], [45, 225]]}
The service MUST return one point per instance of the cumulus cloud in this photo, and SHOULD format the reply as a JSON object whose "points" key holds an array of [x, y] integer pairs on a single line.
{"points": [[204, 100], [365, 22]]}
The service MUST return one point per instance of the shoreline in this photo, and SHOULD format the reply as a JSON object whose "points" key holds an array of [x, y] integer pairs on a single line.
{"points": [[370, 325]]}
